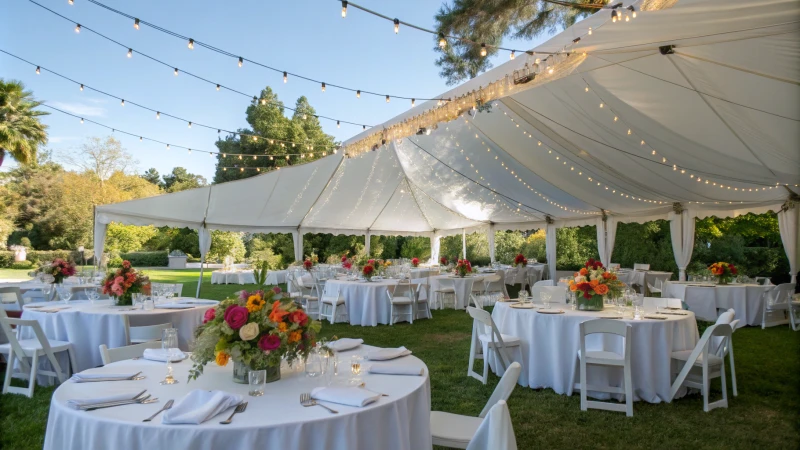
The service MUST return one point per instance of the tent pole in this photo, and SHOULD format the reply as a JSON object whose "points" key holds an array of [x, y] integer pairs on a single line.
{"points": [[200, 281]]}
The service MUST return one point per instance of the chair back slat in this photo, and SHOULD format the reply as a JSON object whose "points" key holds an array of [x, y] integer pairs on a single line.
{"points": [[504, 388]]}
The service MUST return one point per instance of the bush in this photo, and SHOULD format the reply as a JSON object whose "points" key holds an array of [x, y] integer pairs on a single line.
{"points": [[22, 265], [140, 259], [6, 259]]}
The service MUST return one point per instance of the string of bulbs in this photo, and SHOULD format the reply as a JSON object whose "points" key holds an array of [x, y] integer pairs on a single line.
{"points": [[160, 113], [176, 71], [191, 43], [212, 153]]}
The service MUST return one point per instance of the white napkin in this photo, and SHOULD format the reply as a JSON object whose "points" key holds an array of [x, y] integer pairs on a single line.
{"points": [[84, 377], [344, 344], [351, 396], [396, 369], [159, 354], [383, 354], [126, 394], [198, 406]]}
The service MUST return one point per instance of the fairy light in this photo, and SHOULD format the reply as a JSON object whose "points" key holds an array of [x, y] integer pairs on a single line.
{"points": [[190, 124], [136, 23], [442, 41], [158, 115], [512, 56], [218, 86], [387, 99], [130, 52], [344, 9], [323, 87], [337, 124], [71, 2], [396, 26], [483, 49], [191, 44], [176, 71], [241, 61], [285, 77], [81, 119], [81, 88], [77, 28], [590, 31], [358, 94], [122, 102], [167, 146], [413, 101]]}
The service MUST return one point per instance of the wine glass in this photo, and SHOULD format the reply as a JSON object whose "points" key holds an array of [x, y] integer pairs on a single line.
{"points": [[92, 294], [523, 295], [169, 343], [64, 293], [545, 297]]}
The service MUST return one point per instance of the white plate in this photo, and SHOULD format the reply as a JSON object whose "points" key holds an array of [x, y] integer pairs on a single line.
{"points": [[655, 317], [522, 306], [551, 311]]}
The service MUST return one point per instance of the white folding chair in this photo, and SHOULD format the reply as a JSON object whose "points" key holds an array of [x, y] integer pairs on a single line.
{"points": [[641, 267], [12, 296], [330, 303], [496, 431], [709, 365], [544, 283], [702, 302], [495, 283], [19, 350], [177, 288], [655, 288], [476, 300], [486, 338], [613, 266], [422, 304], [110, 355], [558, 294], [405, 300], [147, 333], [455, 430], [653, 303], [777, 305], [606, 358], [446, 289]]}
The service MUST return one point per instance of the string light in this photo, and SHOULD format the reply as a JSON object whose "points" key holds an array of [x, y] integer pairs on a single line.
{"points": [[590, 31], [130, 52], [285, 77], [344, 9], [323, 87], [337, 124], [136, 23], [122, 102], [176, 71], [512, 56], [81, 119], [140, 139], [442, 41], [81, 88], [158, 115], [412, 102], [77, 28], [483, 49], [614, 16], [358, 94], [632, 10], [218, 87], [167, 146], [190, 124], [38, 70], [191, 44], [241, 61], [396, 26], [387, 99], [71, 2]]}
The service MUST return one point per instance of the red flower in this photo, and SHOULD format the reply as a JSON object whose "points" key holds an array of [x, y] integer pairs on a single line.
{"points": [[269, 342], [415, 262], [443, 261], [344, 258], [308, 264], [371, 261], [299, 317], [367, 270], [209, 314], [126, 264]]}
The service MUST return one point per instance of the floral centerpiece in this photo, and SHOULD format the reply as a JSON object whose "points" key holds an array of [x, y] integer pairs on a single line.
{"points": [[414, 262], [368, 271], [59, 269], [463, 267], [308, 264], [520, 260], [443, 260], [594, 282], [125, 282], [723, 271], [256, 331], [347, 263]]}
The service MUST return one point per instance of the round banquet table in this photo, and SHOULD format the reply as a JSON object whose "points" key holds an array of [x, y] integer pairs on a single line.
{"points": [[745, 299], [232, 277], [276, 277], [462, 286], [366, 301], [275, 420], [550, 344], [87, 325]]}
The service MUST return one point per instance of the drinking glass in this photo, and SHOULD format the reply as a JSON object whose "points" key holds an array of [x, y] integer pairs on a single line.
{"points": [[356, 367], [257, 380], [136, 299], [148, 303], [64, 292], [92, 294], [573, 299], [314, 364], [622, 301], [523, 295], [169, 343], [545, 297], [47, 289]]}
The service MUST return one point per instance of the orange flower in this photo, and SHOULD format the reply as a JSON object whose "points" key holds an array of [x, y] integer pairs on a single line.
{"points": [[222, 358], [282, 327], [277, 313], [583, 271], [594, 284], [573, 287], [601, 289], [606, 275], [295, 336], [575, 274]]}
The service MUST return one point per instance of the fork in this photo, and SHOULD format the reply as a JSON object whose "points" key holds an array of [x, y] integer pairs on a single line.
{"points": [[141, 401], [306, 400], [239, 409], [166, 407]]}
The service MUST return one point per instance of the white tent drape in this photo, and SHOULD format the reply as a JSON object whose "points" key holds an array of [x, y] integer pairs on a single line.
{"points": [[681, 229], [490, 238], [606, 235], [367, 245], [787, 222], [204, 234], [463, 243], [99, 241], [297, 238], [550, 249], [436, 243]]}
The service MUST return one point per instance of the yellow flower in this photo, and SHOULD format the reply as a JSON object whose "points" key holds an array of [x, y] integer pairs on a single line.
{"points": [[222, 358], [282, 327], [295, 336], [255, 303]]}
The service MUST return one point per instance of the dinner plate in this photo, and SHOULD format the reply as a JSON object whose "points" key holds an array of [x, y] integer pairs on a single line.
{"points": [[551, 311], [522, 306], [609, 317], [655, 317]]}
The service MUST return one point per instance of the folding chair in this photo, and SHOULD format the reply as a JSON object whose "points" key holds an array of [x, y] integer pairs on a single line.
{"points": [[110, 355], [331, 301], [401, 301], [605, 358], [496, 432], [485, 333], [778, 302], [709, 365]]}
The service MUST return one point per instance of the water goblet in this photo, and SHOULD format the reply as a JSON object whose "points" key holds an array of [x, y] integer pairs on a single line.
{"points": [[92, 294], [64, 292], [148, 303], [545, 298], [169, 343], [356, 367], [257, 380]]}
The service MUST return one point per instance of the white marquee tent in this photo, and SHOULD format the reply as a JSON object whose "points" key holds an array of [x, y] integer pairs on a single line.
{"points": [[692, 109]]}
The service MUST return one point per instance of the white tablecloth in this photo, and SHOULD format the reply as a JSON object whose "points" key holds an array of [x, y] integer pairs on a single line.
{"points": [[550, 344], [244, 277], [276, 277], [276, 420], [422, 272], [462, 286], [639, 277], [367, 303], [87, 326], [745, 299]]}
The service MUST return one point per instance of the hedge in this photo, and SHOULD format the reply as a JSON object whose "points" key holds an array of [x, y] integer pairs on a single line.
{"points": [[141, 259], [37, 257]]}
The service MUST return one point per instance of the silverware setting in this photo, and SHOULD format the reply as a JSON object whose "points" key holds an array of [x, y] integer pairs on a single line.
{"points": [[164, 408], [140, 398], [133, 377], [239, 409], [306, 400]]}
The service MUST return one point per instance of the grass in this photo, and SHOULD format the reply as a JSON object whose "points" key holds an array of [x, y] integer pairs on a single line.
{"points": [[765, 414]]}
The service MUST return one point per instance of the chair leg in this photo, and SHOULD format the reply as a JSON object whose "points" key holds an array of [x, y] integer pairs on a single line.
{"points": [[34, 372], [724, 385], [10, 362], [628, 391], [733, 372], [706, 388], [584, 403]]}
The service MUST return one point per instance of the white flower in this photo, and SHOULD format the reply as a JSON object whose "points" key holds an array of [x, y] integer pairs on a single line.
{"points": [[249, 331]]}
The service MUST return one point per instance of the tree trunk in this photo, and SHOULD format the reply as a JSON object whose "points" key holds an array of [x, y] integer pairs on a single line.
{"points": [[2, 156]]}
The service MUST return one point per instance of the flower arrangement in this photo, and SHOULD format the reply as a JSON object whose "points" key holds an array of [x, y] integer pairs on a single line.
{"points": [[520, 260], [368, 271], [256, 331], [58, 269], [414, 262], [308, 264], [443, 260], [125, 282], [594, 282], [463, 267], [723, 271]]}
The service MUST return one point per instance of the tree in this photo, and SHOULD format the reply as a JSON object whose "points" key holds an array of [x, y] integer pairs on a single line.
{"points": [[128, 238], [225, 243], [101, 157], [152, 176], [180, 180], [21, 131], [490, 21]]}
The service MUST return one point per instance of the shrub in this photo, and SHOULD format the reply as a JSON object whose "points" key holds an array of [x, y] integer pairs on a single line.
{"points": [[6, 259], [141, 259], [22, 265]]}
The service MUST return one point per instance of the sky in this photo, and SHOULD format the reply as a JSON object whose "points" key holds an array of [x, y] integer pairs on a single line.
{"points": [[308, 37]]}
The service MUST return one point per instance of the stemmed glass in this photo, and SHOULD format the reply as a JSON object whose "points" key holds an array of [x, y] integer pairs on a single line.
{"points": [[169, 343], [545, 297], [92, 294], [64, 292], [523, 295]]}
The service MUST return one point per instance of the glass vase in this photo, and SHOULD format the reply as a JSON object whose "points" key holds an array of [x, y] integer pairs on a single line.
{"points": [[595, 303], [241, 371]]}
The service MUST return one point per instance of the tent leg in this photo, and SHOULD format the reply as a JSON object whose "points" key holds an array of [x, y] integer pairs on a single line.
{"points": [[200, 281]]}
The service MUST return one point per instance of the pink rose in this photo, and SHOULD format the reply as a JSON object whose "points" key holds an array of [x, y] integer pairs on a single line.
{"points": [[119, 280], [210, 314], [276, 290], [243, 295], [269, 342], [236, 316]]}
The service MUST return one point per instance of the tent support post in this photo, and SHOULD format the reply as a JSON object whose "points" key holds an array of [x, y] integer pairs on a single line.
{"points": [[200, 280]]}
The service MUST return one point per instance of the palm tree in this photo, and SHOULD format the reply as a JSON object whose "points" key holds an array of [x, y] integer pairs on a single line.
{"points": [[21, 131]]}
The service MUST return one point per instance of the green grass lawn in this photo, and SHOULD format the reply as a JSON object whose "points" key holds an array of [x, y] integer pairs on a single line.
{"points": [[766, 413]]}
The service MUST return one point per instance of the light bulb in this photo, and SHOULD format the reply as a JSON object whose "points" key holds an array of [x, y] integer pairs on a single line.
{"points": [[240, 156], [217, 87], [254, 156], [136, 23], [190, 124], [158, 115], [337, 124], [122, 102], [614, 16], [323, 87], [71, 2], [81, 119], [387, 99], [483, 49], [258, 169], [241, 169], [176, 71], [512, 55], [442, 41], [634, 14], [191, 44], [224, 169], [167, 146], [130, 53], [255, 138], [81, 88], [601, 105], [241, 61], [396, 26], [77, 28], [590, 31], [140, 139], [358, 94], [285, 77], [413, 101], [587, 89], [363, 127], [190, 151], [270, 158], [224, 155], [344, 9], [304, 118], [627, 18]]}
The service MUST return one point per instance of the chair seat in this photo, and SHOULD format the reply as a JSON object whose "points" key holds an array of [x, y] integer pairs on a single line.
{"points": [[331, 301], [683, 355], [507, 339], [603, 355], [453, 430], [29, 346], [310, 297], [295, 295], [401, 300], [446, 290]]}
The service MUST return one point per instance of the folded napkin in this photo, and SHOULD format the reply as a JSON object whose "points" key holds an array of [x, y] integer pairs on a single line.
{"points": [[159, 354], [350, 396], [383, 354], [126, 394], [344, 344], [175, 306], [396, 369], [84, 377], [198, 406]]}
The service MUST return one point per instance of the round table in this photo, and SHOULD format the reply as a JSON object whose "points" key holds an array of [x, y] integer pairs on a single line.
{"points": [[462, 286], [550, 343], [88, 325], [276, 277], [400, 421], [745, 299], [366, 301], [232, 277]]}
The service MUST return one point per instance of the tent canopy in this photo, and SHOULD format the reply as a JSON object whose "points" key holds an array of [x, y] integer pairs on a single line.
{"points": [[619, 129]]}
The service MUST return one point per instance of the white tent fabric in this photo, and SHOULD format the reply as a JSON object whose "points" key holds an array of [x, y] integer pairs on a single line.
{"points": [[205, 245], [711, 125], [681, 230], [606, 235], [550, 249], [787, 222]]}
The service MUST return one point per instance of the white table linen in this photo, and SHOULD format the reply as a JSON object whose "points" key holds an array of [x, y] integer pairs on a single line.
{"points": [[366, 301], [745, 299], [462, 286], [550, 342], [641, 277], [87, 326], [400, 421], [199, 406], [276, 276], [232, 277]]}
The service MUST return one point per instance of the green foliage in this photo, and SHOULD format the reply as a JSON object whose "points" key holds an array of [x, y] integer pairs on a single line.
{"points": [[6, 259], [225, 243], [647, 243], [21, 130], [25, 242], [416, 247], [258, 250], [152, 176], [128, 238], [260, 272], [535, 246], [141, 259], [507, 244], [22, 265], [180, 180]]}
